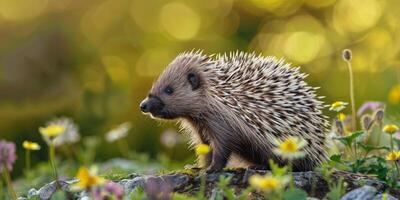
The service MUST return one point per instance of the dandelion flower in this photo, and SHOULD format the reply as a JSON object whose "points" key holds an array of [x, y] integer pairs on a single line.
{"points": [[87, 178], [341, 117], [69, 135], [30, 146], [118, 133], [268, 183], [393, 156], [290, 148], [338, 106], [390, 129], [202, 149], [50, 132], [7, 155], [394, 95]]}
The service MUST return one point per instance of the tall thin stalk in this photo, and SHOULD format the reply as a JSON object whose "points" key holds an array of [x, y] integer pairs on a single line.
{"points": [[28, 160], [52, 158], [7, 179], [347, 58]]}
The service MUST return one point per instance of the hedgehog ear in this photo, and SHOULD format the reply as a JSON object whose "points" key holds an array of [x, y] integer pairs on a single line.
{"points": [[193, 80]]}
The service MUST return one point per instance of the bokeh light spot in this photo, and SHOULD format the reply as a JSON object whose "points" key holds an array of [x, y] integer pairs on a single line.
{"points": [[116, 68], [356, 15], [179, 21], [278, 7], [152, 62], [303, 46], [21, 9]]}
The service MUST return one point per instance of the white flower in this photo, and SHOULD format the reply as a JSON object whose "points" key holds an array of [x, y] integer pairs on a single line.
{"points": [[70, 134], [170, 138], [117, 133]]}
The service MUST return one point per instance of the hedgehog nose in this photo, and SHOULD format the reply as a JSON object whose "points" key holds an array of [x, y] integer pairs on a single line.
{"points": [[144, 106]]}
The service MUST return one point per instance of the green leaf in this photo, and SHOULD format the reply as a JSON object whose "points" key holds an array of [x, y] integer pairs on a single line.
{"points": [[336, 158], [295, 194], [367, 148], [337, 190], [276, 170], [348, 140]]}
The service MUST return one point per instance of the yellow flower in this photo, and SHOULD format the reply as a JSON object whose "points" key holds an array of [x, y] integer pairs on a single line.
{"points": [[290, 148], [87, 178], [52, 131], [390, 129], [268, 183], [341, 117], [393, 156], [338, 106], [394, 95], [31, 146], [202, 149]]}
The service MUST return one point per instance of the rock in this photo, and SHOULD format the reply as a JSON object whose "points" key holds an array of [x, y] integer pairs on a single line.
{"points": [[178, 181], [189, 182], [363, 193], [32, 192], [130, 184]]}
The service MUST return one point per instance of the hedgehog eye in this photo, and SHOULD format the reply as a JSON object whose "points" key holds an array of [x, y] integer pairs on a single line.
{"points": [[168, 90], [193, 80]]}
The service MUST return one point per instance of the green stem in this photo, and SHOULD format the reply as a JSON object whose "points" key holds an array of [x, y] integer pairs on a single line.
{"points": [[123, 147], [352, 99], [290, 171], [355, 149], [52, 155], [28, 160], [391, 144], [202, 188], [397, 168], [1, 189], [7, 179]]}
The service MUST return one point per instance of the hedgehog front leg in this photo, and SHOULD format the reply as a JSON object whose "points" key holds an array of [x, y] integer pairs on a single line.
{"points": [[220, 156]]}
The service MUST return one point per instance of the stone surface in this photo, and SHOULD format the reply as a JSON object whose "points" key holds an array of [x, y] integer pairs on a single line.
{"points": [[189, 182], [130, 184], [362, 193]]}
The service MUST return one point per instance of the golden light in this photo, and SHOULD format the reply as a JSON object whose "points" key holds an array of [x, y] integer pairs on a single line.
{"points": [[356, 15], [99, 19], [116, 68], [303, 46], [152, 62], [319, 3], [144, 14], [379, 39], [17, 10], [179, 21], [93, 78], [278, 7]]}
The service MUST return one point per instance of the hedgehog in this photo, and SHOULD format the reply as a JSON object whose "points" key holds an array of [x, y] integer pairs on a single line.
{"points": [[238, 104]]}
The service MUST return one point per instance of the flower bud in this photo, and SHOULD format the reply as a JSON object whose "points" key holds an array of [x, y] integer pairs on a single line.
{"points": [[378, 116], [366, 122], [347, 54]]}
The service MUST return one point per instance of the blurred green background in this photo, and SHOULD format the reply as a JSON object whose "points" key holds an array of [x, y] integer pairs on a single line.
{"points": [[95, 60]]}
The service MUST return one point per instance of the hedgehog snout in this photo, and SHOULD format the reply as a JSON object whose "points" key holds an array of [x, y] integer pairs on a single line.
{"points": [[151, 104]]}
